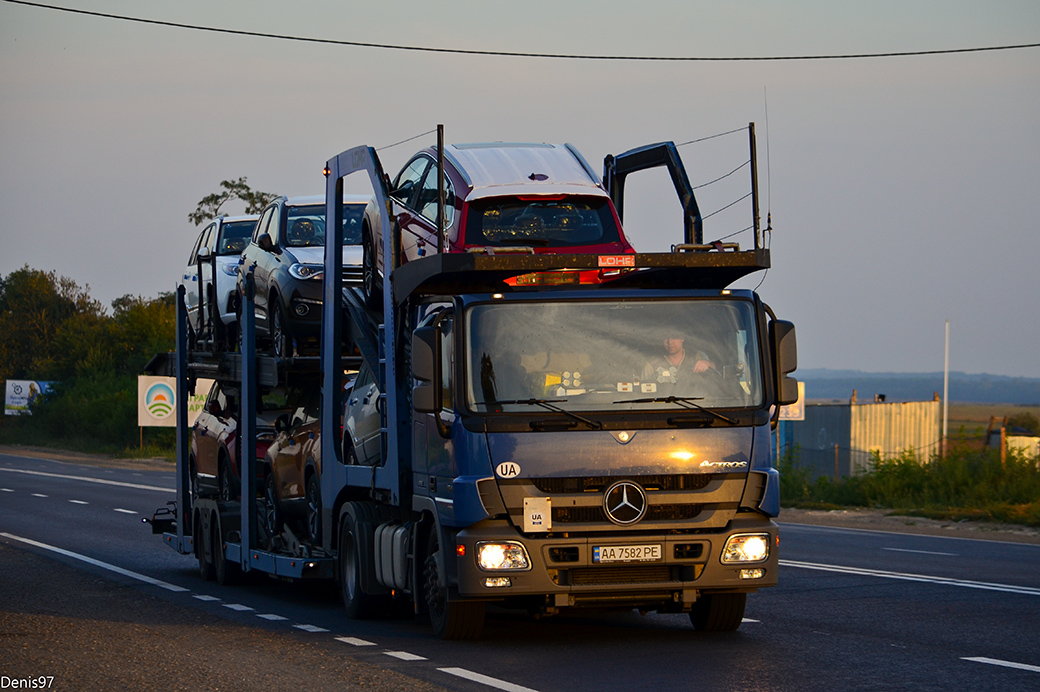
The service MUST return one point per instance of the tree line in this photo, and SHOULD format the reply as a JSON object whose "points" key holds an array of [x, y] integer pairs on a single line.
{"points": [[52, 330]]}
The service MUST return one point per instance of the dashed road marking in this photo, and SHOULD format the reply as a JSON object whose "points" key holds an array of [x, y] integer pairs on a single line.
{"points": [[39, 495], [270, 616], [486, 680], [124, 511], [405, 656], [79, 502], [354, 641], [238, 606], [1005, 664], [920, 552], [205, 597], [97, 563], [310, 628], [7, 490]]}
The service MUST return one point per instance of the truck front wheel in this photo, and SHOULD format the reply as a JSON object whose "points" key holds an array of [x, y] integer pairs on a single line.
{"points": [[718, 612], [359, 604], [450, 619]]}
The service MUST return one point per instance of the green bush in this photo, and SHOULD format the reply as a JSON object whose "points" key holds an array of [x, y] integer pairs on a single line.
{"points": [[964, 484]]}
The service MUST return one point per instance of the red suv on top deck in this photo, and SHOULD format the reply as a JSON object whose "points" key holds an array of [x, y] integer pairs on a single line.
{"points": [[541, 198]]}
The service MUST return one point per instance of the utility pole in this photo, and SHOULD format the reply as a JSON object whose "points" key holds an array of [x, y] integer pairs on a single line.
{"points": [[946, 390]]}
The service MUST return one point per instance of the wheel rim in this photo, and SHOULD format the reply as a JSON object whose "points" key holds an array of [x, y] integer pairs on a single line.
{"points": [[278, 333], [314, 509], [269, 514], [349, 567], [225, 483]]}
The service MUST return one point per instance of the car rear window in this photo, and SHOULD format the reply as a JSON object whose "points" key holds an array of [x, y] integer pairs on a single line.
{"points": [[541, 221]]}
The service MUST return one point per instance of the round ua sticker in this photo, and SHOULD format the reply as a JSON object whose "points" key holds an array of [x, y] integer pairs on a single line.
{"points": [[508, 469]]}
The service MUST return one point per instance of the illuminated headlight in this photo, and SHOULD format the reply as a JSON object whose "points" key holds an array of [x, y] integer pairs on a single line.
{"points": [[498, 556], [747, 547], [306, 271]]}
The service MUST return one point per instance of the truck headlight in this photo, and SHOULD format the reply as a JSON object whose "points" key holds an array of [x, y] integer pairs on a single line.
{"points": [[503, 555], [746, 547]]}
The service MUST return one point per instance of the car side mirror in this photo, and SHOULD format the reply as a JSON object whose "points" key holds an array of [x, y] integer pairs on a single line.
{"points": [[265, 242], [204, 253], [426, 359], [785, 361], [281, 423]]}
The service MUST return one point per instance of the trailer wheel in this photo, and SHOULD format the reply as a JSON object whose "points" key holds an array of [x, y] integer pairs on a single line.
{"points": [[450, 619], [225, 482], [359, 605], [719, 612], [204, 556], [226, 573]]}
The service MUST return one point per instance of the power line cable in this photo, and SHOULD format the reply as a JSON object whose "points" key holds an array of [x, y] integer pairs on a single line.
{"points": [[520, 54]]}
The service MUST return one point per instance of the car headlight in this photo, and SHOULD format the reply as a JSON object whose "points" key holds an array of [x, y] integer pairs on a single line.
{"points": [[502, 555], [746, 547], [306, 271], [230, 269]]}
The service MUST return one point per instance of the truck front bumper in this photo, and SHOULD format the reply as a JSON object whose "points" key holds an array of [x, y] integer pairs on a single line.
{"points": [[574, 571]]}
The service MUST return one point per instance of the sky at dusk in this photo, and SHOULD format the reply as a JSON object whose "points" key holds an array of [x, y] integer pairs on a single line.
{"points": [[902, 190]]}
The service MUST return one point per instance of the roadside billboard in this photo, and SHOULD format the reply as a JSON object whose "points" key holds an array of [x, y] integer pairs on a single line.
{"points": [[157, 401], [20, 394]]}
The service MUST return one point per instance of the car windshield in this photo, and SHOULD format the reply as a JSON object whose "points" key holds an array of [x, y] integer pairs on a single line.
{"points": [[306, 225], [234, 236], [540, 221], [612, 355]]}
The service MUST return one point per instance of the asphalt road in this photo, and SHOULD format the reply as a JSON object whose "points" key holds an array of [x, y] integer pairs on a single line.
{"points": [[88, 595]]}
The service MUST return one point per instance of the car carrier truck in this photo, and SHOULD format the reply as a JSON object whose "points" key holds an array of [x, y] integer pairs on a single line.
{"points": [[544, 442]]}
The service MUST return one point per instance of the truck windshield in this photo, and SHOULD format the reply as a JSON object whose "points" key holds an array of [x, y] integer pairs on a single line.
{"points": [[612, 355]]}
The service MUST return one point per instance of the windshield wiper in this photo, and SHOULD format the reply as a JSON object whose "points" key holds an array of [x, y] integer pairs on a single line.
{"points": [[550, 405], [689, 402]]}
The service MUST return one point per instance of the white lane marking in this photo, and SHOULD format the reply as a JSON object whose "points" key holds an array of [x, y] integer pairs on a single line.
{"points": [[270, 616], [103, 481], [238, 606], [97, 563], [486, 680], [986, 586], [38, 495], [405, 656], [7, 490], [836, 529], [205, 597], [79, 502], [750, 620], [310, 628], [1006, 664], [124, 511], [920, 552], [354, 641]]}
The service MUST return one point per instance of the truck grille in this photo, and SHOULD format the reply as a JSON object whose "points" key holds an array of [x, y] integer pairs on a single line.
{"points": [[693, 481], [591, 515]]}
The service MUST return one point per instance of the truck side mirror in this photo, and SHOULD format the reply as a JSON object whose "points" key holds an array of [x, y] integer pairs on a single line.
{"points": [[426, 360], [785, 361]]}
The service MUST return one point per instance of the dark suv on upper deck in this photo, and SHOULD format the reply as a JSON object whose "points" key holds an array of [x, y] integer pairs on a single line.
{"points": [[286, 256]]}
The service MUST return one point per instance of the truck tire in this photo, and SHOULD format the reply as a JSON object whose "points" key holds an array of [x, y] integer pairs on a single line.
{"points": [[359, 604], [226, 573], [203, 555], [451, 619], [718, 612]]}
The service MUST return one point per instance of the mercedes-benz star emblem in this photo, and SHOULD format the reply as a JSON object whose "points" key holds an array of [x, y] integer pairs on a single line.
{"points": [[624, 502]]}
